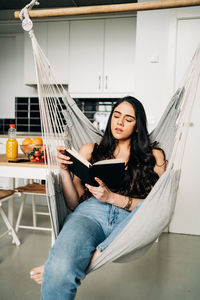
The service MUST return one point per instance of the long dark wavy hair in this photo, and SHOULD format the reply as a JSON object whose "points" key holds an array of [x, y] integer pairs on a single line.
{"points": [[140, 175]]}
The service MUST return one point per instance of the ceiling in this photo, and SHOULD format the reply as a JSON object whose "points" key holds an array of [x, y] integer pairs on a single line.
{"points": [[19, 4]]}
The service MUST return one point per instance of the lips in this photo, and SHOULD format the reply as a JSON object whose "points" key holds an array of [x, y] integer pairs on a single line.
{"points": [[118, 130]]}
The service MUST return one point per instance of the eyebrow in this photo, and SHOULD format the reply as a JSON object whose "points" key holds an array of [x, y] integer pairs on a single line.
{"points": [[116, 111]]}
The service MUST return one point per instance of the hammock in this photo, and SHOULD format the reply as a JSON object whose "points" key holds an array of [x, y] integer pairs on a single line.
{"points": [[64, 124]]}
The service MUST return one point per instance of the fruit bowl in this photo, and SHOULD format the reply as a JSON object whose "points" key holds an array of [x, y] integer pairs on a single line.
{"points": [[35, 153]]}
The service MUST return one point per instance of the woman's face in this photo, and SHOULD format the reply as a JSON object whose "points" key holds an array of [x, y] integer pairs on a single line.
{"points": [[123, 121]]}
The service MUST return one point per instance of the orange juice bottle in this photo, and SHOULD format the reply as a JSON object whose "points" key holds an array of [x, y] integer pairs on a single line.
{"points": [[11, 144]]}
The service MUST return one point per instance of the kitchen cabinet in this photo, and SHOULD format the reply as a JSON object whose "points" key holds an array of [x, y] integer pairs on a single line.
{"points": [[7, 75], [119, 55], [86, 56], [102, 55], [53, 38]]}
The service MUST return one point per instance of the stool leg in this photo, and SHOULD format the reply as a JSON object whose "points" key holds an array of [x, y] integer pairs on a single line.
{"points": [[20, 212], [10, 228], [34, 211]]}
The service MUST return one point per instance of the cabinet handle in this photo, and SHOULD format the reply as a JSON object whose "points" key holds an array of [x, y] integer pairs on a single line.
{"points": [[106, 83], [99, 82]]}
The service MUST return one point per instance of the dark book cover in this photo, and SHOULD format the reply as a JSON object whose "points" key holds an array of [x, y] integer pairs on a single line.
{"points": [[112, 174]]}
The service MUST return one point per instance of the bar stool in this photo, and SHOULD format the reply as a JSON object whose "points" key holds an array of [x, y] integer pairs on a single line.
{"points": [[33, 189], [6, 195]]}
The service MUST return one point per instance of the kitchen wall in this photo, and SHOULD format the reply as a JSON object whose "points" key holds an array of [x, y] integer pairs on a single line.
{"points": [[156, 56], [166, 42], [12, 70]]}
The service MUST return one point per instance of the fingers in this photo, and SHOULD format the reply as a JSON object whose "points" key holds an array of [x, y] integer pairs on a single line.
{"points": [[100, 182], [99, 191], [92, 189], [62, 159], [62, 148]]}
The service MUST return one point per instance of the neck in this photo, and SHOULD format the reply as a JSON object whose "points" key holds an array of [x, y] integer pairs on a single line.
{"points": [[122, 150], [124, 144]]}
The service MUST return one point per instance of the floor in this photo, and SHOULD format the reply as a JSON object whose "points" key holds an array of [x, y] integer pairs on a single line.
{"points": [[169, 271]]}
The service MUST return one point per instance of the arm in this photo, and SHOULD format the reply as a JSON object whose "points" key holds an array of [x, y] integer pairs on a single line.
{"points": [[72, 187], [160, 165]]}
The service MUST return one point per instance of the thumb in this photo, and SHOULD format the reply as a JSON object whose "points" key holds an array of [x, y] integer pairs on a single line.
{"points": [[100, 182]]}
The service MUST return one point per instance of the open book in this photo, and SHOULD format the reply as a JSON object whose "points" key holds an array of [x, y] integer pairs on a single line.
{"points": [[110, 171]]}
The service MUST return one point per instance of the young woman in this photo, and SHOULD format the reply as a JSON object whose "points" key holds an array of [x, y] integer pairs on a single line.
{"points": [[98, 212]]}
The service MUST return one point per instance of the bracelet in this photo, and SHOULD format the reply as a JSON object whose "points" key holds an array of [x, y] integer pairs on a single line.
{"points": [[128, 205]]}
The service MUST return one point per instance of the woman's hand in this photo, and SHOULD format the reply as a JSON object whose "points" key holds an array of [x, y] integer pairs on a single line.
{"points": [[101, 192], [62, 159]]}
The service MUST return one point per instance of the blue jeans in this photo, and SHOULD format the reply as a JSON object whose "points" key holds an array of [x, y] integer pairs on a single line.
{"points": [[93, 225]]}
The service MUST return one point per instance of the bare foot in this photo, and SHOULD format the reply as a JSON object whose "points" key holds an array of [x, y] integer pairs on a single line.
{"points": [[37, 274]]}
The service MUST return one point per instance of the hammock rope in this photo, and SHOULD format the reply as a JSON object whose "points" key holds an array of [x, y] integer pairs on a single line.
{"points": [[63, 123]]}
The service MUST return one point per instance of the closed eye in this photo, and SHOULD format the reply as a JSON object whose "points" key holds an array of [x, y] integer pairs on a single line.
{"points": [[128, 118]]}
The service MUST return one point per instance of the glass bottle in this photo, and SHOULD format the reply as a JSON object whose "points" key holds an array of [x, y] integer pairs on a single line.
{"points": [[12, 144]]}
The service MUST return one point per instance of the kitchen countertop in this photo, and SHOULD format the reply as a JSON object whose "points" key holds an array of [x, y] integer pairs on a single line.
{"points": [[4, 162], [29, 135]]}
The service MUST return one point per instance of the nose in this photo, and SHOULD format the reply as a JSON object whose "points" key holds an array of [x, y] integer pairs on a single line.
{"points": [[120, 122]]}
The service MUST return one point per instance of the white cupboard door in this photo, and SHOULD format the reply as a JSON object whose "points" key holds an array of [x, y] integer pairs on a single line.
{"points": [[58, 50], [86, 56], [186, 218], [40, 30], [7, 76], [119, 55]]}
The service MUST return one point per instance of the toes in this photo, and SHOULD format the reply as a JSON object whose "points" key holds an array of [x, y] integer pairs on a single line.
{"points": [[39, 281], [37, 278], [36, 270], [36, 274], [34, 277], [32, 273]]}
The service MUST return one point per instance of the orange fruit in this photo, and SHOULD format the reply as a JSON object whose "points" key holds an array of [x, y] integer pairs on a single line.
{"points": [[27, 141], [37, 141]]}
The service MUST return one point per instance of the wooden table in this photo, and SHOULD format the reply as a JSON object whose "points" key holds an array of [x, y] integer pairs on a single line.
{"points": [[26, 170]]}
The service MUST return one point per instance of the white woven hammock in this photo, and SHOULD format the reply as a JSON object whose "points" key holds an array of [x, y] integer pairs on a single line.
{"points": [[64, 124]]}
